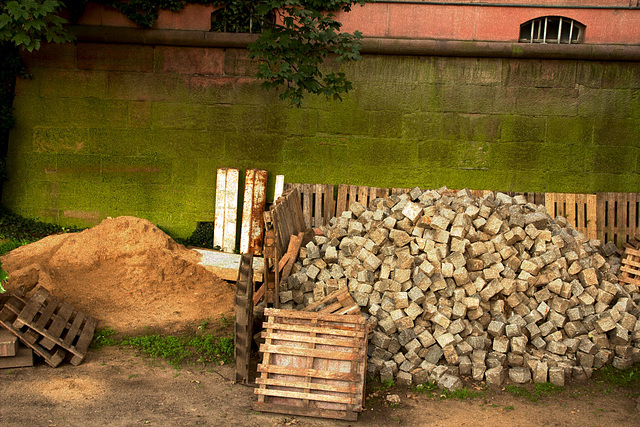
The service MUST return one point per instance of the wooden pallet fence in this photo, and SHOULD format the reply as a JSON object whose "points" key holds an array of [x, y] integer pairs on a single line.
{"points": [[318, 203], [579, 210], [348, 194], [288, 219], [224, 228], [255, 197], [243, 334], [618, 216], [314, 364], [50, 327]]}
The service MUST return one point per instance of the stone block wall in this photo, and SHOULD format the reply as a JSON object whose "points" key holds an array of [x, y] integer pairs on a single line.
{"points": [[106, 130]]}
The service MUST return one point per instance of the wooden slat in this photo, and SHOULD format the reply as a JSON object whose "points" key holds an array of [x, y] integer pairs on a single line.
{"points": [[254, 200], [573, 207], [224, 233], [81, 347], [243, 335], [347, 332], [314, 386], [308, 339], [221, 197], [315, 373], [306, 396], [308, 412], [284, 314]]}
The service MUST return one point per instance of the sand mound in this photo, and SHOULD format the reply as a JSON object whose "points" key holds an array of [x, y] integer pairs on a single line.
{"points": [[126, 273]]}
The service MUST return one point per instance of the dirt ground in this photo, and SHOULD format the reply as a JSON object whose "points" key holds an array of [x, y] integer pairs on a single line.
{"points": [[131, 276], [116, 387]]}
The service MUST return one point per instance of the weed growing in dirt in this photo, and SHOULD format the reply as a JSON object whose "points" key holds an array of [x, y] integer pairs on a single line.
{"points": [[461, 394], [540, 390], [628, 378], [427, 388], [103, 338]]}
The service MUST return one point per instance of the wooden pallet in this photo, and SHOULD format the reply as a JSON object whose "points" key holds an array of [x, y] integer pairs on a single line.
{"points": [[244, 318], [618, 216], [578, 209], [314, 364], [348, 194], [630, 269], [339, 301], [50, 327], [318, 204]]}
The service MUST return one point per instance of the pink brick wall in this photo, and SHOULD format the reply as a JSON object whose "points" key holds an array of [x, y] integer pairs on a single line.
{"points": [[431, 21], [487, 23]]}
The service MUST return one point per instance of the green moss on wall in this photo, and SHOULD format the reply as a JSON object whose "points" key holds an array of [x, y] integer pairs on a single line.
{"points": [[90, 144]]}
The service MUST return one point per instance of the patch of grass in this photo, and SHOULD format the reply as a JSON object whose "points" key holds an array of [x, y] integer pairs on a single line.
{"points": [[103, 338], [198, 346], [387, 384], [628, 378], [540, 390], [428, 387], [461, 394], [509, 408]]}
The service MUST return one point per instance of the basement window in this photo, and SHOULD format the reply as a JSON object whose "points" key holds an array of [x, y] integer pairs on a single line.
{"points": [[552, 29], [238, 21]]}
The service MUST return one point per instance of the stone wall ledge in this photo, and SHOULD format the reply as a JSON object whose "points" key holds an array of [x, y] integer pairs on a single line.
{"points": [[370, 45]]}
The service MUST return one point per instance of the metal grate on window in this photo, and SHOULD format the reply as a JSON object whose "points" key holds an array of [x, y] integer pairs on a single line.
{"points": [[552, 29], [234, 20]]}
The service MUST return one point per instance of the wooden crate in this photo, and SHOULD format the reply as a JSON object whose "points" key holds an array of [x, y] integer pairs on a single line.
{"points": [[618, 216], [630, 269], [579, 210], [317, 201], [348, 194], [314, 364]]}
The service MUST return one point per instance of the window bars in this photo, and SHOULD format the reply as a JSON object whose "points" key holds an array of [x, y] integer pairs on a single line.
{"points": [[552, 29]]}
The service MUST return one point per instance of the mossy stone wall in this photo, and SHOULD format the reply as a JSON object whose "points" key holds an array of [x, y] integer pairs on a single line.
{"points": [[106, 130]]}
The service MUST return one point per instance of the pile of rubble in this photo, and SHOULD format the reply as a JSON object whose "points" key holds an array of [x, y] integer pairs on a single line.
{"points": [[453, 285]]}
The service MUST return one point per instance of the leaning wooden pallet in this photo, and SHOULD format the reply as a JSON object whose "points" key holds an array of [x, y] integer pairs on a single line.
{"points": [[52, 328], [630, 269], [314, 364]]}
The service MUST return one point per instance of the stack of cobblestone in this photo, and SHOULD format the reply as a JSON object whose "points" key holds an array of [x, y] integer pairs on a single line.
{"points": [[491, 288]]}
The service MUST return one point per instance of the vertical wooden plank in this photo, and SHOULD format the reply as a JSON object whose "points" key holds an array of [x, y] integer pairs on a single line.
{"points": [[221, 197], [592, 222], [259, 202], [600, 216], [231, 210], [279, 187], [623, 206], [318, 191], [244, 318], [307, 204], [549, 203], [363, 196], [341, 202], [247, 207], [329, 208], [570, 210]]}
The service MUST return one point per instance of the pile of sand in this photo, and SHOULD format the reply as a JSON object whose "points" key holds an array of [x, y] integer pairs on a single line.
{"points": [[126, 273]]}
